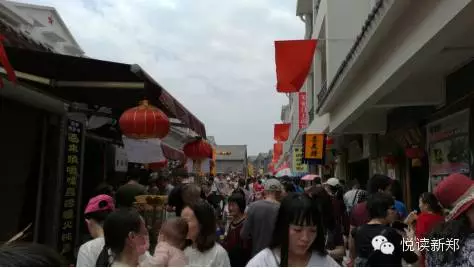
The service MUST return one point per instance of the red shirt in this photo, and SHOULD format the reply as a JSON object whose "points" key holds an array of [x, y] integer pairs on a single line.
{"points": [[359, 214], [425, 223]]}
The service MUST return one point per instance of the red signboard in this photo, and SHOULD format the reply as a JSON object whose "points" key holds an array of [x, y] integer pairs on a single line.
{"points": [[302, 113]]}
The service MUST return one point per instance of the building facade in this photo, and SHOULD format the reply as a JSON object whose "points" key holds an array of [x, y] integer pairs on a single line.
{"points": [[41, 24], [391, 86], [231, 159]]}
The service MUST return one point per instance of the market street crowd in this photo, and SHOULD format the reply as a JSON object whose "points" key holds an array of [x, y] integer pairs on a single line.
{"points": [[267, 222]]}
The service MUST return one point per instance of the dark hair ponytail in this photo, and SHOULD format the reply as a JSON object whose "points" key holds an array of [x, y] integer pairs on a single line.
{"points": [[432, 202], [104, 258]]}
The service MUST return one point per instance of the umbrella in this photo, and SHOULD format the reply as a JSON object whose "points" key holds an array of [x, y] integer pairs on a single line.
{"points": [[309, 177], [284, 172]]}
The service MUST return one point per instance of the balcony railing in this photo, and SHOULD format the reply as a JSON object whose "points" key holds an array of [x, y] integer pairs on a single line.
{"points": [[322, 93], [311, 115]]}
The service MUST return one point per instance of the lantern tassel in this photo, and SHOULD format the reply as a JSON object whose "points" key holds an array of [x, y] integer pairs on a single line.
{"points": [[6, 63]]}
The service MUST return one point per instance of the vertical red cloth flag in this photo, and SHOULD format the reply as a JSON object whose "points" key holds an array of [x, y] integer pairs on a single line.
{"points": [[281, 132], [277, 148], [293, 60], [6, 63], [302, 112]]}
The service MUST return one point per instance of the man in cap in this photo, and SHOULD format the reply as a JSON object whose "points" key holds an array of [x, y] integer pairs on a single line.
{"points": [[261, 217]]}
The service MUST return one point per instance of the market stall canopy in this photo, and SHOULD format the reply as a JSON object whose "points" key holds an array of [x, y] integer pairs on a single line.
{"points": [[115, 85]]}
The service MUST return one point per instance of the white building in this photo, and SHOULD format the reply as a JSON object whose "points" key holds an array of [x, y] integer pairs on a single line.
{"points": [[381, 65], [41, 24]]}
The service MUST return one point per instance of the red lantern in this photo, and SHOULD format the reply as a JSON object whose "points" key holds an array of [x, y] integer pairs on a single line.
{"points": [[198, 149], [158, 165], [390, 160], [329, 141], [413, 153], [144, 122]]}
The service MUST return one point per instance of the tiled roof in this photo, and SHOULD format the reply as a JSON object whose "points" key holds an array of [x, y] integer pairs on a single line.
{"points": [[15, 38]]}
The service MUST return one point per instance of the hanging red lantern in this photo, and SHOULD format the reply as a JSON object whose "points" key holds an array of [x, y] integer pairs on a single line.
{"points": [[144, 122], [329, 141], [198, 149], [158, 165], [390, 160], [414, 152]]}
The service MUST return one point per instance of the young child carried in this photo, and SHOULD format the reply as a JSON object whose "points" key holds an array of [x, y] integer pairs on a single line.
{"points": [[171, 243]]}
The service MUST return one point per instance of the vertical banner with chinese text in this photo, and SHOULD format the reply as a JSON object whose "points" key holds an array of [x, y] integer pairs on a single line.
{"points": [[314, 147], [302, 113], [298, 165], [71, 184]]}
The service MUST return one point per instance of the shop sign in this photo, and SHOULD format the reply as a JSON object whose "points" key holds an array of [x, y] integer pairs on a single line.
{"points": [[302, 113], [448, 143], [70, 194], [298, 165], [314, 147]]}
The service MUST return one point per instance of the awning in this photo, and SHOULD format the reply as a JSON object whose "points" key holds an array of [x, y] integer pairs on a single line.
{"points": [[78, 79], [172, 153]]}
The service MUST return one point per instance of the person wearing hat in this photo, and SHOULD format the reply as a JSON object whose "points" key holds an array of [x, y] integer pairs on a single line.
{"points": [[96, 211], [261, 217], [456, 193]]}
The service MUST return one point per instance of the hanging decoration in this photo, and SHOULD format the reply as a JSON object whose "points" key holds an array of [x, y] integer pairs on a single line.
{"points": [[281, 132], [6, 63], [158, 165], [198, 151], [144, 122], [390, 160], [277, 149], [293, 61], [416, 154]]}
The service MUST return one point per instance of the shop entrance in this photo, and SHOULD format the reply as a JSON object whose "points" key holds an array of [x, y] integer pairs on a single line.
{"points": [[359, 170]]}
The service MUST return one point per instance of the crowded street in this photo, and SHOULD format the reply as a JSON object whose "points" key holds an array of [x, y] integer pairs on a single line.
{"points": [[237, 133]]}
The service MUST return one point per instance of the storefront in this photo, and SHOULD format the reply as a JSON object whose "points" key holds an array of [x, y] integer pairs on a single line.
{"points": [[448, 147]]}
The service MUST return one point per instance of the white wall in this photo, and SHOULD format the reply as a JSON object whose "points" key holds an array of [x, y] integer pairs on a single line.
{"points": [[344, 21], [36, 22]]}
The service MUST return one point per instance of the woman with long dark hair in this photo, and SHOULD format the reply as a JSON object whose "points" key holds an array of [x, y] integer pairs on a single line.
{"points": [[299, 236], [126, 239], [455, 192], [334, 230], [203, 251]]}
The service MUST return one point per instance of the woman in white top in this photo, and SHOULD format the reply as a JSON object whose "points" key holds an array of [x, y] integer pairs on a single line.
{"points": [[204, 250], [126, 239], [298, 239], [97, 210]]}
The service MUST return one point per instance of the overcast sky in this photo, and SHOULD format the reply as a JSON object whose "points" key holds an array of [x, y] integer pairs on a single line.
{"points": [[215, 56]]}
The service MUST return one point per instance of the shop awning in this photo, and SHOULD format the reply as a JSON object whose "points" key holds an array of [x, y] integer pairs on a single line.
{"points": [[115, 85], [172, 153]]}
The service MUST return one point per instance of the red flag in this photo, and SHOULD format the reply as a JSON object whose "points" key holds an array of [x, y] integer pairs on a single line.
{"points": [[277, 150], [6, 63], [293, 60], [281, 132]]}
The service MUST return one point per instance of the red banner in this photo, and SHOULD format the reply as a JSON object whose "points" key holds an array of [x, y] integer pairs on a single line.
{"points": [[281, 132], [293, 60], [277, 149], [302, 113]]}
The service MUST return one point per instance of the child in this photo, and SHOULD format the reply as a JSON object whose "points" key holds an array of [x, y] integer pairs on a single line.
{"points": [[171, 242]]}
